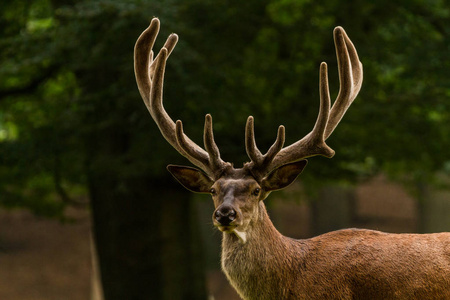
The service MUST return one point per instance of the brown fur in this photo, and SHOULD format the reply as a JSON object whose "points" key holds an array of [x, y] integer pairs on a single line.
{"points": [[344, 264]]}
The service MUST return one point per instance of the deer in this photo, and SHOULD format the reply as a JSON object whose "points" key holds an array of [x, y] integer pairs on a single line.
{"points": [[258, 261]]}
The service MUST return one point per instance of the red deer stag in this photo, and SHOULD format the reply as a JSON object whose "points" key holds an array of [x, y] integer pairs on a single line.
{"points": [[261, 263]]}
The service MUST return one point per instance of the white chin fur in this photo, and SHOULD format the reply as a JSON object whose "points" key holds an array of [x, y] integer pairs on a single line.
{"points": [[241, 235]]}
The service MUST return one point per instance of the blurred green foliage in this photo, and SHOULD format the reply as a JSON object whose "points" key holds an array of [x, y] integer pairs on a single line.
{"points": [[66, 70]]}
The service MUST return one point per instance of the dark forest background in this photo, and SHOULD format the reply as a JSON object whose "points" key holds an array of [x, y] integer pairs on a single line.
{"points": [[73, 126]]}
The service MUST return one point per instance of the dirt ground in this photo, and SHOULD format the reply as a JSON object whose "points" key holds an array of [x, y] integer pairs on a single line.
{"points": [[42, 259]]}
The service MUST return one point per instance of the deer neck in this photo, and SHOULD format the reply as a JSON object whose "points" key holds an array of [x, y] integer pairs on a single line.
{"points": [[249, 266]]}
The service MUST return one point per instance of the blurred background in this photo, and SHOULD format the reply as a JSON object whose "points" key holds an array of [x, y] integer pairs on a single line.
{"points": [[87, 206]]}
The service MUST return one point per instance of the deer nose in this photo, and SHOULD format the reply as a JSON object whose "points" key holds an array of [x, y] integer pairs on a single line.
{"points": [[225, 214]]}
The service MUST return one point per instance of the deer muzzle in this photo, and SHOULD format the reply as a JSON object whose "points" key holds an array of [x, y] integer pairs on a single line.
{"points": [[225, 215]]}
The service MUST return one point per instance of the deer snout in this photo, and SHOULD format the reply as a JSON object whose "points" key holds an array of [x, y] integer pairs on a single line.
{"points": [[225, 214]]}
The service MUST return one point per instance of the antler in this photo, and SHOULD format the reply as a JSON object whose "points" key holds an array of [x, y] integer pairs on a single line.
{"points": [[350, 78], [150, 77]]}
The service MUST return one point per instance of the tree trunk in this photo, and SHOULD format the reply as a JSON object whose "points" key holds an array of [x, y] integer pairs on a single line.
{"points": [[146, 238]]}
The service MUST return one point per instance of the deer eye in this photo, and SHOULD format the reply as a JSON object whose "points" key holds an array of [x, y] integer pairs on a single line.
{"points": [[212, 191], [256, 191]]}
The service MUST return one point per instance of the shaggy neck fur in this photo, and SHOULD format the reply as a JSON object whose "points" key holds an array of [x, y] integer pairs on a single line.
{"points": [[258, 267]]}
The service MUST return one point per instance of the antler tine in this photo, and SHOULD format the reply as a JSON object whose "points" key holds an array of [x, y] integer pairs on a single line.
{"points": [[208, 138], [277, 145], [250, 144], [150, 78], [259, 161], [213, 161], [211, 146], [318, 133], [187, 146], [143, 56], [170, 44], [350, 78]]}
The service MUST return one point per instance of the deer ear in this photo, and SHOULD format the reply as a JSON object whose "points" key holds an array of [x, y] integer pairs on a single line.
{"points": [[283, 176], [191, 178]]}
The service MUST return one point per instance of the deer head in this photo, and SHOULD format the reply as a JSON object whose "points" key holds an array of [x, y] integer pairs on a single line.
{"points": [[237, 192]]}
